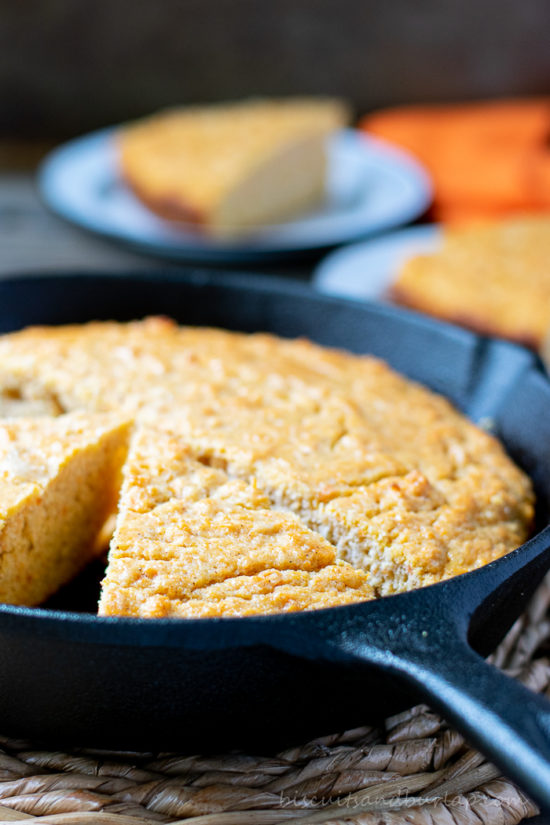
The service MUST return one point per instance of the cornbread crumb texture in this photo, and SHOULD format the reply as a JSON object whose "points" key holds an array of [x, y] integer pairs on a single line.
{"points": [[59, 481], [493, 277], [397, 482], [231, 167], [192, 541]]}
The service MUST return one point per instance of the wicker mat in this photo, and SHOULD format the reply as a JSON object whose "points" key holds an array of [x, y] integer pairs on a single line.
{"points": [[412, 769]]}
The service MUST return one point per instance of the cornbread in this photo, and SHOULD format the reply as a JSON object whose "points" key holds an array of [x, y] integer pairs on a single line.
{"points": [[493, 277], [387, 474], [190, 540], [230, 168], [59, 480]]}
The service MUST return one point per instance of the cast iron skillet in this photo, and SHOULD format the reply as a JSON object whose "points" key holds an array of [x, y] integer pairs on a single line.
{"points": [[67, 677]]}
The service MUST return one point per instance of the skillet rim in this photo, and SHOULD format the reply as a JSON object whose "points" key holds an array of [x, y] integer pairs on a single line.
{"points": [[198, 276], [55, 617], [88, 624]]}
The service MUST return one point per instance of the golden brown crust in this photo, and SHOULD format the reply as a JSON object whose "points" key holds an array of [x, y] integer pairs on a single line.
{"points": [[171, 208]]}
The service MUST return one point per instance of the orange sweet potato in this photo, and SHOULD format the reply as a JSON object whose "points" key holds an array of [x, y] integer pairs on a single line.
{"points": [[486, 159]]}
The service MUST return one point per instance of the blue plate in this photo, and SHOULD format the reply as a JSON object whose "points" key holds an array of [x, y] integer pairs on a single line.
{"points": [[368, 269], [371, 187]]}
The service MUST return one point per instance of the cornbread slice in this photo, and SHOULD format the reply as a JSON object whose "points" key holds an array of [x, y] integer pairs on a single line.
{"points": [[403, 485], [192, 541], [59, 479], [493, 277], [231, 168]]}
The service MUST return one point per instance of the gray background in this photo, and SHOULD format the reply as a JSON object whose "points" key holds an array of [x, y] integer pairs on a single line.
{"points": [[67, 66]]}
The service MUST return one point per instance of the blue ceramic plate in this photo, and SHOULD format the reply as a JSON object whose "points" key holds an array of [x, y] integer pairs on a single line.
{"points": [[368, 269], [371, 187]]}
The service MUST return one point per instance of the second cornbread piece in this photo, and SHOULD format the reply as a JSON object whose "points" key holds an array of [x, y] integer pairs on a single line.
{"points": [[59, 480], [493, 277], [192, 541], [231, 168]]}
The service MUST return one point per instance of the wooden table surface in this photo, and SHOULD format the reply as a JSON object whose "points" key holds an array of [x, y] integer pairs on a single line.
{"points": [[34, 240]]}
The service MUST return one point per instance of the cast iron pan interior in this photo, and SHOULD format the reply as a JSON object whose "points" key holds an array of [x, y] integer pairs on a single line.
{"points": [[68, 677]]}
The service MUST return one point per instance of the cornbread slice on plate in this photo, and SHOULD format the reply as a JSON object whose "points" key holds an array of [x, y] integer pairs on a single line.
{"points": [[230, 168], [59, 480], [493, 277], [192, 541]]}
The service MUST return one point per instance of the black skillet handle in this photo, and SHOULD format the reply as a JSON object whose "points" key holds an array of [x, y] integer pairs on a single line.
{"points": [[421, 638], [507, 722]]}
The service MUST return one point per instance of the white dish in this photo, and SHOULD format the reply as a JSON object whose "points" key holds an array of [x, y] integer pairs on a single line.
{"points": [[368, 269], [371, 187]]}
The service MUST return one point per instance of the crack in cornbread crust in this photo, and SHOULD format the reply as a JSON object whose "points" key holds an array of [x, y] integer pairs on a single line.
{"points": [[192, 541], [401, 483], [59, 480], [403, 529]]}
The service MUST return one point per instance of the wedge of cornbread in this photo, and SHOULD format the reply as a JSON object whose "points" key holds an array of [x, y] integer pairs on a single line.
{"points": [[492, 277], [231, 168], [192, 541], [397, 481], [59, 481]]}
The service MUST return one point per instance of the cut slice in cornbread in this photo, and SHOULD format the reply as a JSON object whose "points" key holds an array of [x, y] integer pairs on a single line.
{"points": [[59, 480], [192, 541], [231, 168]]}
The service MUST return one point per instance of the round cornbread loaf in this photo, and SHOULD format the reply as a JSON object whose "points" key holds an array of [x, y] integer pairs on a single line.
{"points": [[337, 458]]}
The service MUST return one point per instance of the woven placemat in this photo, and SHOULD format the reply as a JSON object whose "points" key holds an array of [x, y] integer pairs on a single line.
{"points": [[411, 769]]}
